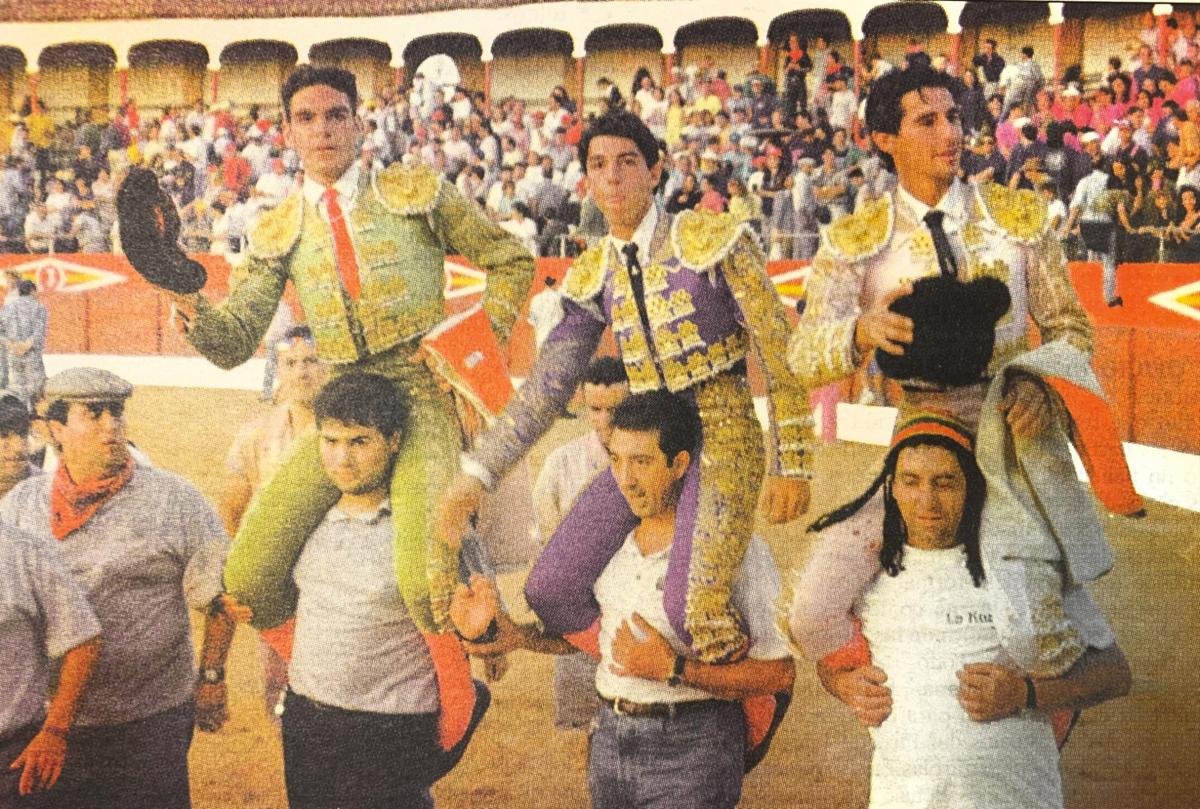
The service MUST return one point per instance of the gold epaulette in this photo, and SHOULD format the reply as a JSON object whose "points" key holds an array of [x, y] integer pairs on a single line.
{"points": [[585, 277], [278, 229], [1018, 212], [864, 233], [700, 239], [407, 191]]}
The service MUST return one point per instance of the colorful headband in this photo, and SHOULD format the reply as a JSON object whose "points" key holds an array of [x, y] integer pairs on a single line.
{"points": [[935, 422]]}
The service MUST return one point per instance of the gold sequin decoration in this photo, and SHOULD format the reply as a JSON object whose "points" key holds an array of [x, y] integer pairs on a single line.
{"points": [[654, 279], [625, 314], [643, 375], [705, 238], [705, 363], [1019, 212], [585, 278], [633, 346], [670, 343], [408, 191], [1058, 642], [279, 228], [731, 474], [863, 233]]}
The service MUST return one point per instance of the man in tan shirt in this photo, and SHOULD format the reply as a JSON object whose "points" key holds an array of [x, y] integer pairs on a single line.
{"points": [[252, 460]]}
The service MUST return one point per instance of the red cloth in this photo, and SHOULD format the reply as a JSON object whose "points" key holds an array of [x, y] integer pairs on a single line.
{"points": [[73, 504], [235, 172], [1095, 436], [347, 262]]}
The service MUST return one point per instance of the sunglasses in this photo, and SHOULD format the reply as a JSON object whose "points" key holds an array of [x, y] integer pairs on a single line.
{"points": [[117, 409]]}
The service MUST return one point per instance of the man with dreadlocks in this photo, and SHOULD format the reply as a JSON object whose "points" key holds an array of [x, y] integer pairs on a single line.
{"points": [[926, 661]]}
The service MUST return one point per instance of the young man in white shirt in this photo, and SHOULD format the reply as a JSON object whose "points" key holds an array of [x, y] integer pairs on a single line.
{"points": [[671, 730]]}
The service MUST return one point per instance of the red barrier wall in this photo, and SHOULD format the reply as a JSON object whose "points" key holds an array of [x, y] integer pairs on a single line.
{"points": [[1147, 355]]}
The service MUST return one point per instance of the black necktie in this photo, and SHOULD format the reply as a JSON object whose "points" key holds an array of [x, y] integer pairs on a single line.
{"points": [[946, 260], [634, 267]]}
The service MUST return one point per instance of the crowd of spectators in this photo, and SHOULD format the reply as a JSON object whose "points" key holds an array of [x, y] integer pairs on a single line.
{"points": [[785, 154]]}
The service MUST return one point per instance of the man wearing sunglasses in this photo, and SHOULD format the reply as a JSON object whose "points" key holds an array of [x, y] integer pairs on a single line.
{"points": [[144, 546]]}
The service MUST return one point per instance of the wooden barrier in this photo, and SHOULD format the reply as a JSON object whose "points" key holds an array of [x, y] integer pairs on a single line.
{"points": [[1147, 351]]}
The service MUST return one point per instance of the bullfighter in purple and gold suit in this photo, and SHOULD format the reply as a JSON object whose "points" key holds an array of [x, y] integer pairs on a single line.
{"points": [[687, 300]]}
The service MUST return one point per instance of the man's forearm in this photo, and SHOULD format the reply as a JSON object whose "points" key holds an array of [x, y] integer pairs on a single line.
{"points": [[745, 678], [1098, 676], [218, 634], [76, 670], [534, 639]]}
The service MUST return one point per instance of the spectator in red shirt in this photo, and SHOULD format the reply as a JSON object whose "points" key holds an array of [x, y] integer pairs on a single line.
{"points": [[235, 170]]}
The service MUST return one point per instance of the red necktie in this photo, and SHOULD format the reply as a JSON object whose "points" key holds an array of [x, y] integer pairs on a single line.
{"points": [[346, 262]]}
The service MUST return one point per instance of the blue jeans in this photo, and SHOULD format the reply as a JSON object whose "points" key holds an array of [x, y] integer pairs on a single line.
{"points": [[695, 759]]}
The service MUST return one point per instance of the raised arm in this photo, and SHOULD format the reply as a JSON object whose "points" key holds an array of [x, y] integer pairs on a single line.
{"points": [[463, 229]]}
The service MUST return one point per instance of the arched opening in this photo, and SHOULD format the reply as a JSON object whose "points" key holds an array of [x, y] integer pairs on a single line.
{"points": [[253, 71], [615, 52], [368, 59], [720, 43], [163, 73], [530, 62]]}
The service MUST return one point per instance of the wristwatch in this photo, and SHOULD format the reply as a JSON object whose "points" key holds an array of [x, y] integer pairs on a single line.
{"points": [[212, 675], [676, 678]]}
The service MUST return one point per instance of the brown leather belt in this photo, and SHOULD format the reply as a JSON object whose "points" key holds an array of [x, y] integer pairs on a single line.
{"points": [[661, 710]]}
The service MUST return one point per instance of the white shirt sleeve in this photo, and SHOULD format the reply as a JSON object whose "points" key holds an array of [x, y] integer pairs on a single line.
{"points": [[756, 588]]}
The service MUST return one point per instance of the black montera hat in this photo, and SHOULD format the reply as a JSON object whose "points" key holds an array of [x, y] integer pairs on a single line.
{"points": [[954, 330], [149, 227]]}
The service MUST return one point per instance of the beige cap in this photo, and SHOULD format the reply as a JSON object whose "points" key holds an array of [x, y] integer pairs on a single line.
{"points": [[87, 385]]}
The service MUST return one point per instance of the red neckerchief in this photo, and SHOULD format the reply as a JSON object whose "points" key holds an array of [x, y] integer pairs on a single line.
{"points": [[73, 504]]}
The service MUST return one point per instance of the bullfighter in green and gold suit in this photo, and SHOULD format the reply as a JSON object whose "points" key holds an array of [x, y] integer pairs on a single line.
{"points": [[401, 222]]}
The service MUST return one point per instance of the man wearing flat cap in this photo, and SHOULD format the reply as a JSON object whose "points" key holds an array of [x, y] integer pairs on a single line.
{"points": [[144, 546]]}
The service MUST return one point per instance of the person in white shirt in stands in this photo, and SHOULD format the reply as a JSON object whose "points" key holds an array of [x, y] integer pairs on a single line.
{"points": [[670, 731], [521, 225]]}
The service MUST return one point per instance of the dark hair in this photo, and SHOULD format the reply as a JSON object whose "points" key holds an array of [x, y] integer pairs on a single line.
{"points": [[884, 111], [14, 416], [620, 124], [367, 400], [309, 76], [895, 533], [606, 371], [300, 332], [26, 287], [1028, 51], [662, 412], [883, 104]]}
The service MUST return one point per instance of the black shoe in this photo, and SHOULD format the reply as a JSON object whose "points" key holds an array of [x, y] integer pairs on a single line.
{"points": [[1117, 301]]}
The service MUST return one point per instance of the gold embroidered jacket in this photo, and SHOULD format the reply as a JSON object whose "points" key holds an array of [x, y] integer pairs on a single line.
{"points": [[403, 223], [708, 301], [997, 231]]}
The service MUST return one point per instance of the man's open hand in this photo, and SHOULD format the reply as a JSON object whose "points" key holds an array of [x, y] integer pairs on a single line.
{"points": [[644, 653], [454, 510], [784, 499], [882, 328]]}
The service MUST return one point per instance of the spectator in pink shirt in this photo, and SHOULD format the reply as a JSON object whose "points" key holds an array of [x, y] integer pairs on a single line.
{"points": [[1007, 130], [1070, 108], [710, 198], [1185, 88]]}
